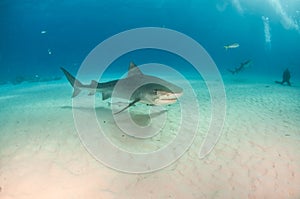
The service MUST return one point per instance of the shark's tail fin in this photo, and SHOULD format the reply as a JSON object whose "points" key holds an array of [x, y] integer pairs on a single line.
{"points": [[73, 81]]}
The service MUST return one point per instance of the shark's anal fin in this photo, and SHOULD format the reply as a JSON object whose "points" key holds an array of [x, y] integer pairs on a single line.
{"points": [[129, 105]]}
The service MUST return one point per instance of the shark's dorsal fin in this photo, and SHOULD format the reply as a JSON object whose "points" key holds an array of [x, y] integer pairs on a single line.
{"points": [[133, 70]]}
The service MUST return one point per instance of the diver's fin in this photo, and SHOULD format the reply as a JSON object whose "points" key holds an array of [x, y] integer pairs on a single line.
{"points": [[129, 105], [278, 82], [73, 81], [133, 70]]}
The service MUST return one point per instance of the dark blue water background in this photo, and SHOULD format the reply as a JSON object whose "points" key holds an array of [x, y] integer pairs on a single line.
{"points": [[73, 28]]}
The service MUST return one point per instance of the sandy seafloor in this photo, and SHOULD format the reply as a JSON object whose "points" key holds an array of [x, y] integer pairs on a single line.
{"points": [[257, 155]]}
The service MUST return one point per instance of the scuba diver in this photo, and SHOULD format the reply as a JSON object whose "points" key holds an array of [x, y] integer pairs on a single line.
{"points": [[286, 76]]}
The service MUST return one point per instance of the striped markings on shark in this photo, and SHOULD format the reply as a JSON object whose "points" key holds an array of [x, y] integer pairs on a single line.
{"points": [[150, 90]]}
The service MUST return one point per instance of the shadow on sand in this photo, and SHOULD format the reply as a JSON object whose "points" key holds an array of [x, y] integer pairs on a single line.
{"points": [[106, 115]]}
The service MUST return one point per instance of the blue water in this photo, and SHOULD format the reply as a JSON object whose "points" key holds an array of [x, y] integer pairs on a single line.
{"points": [[73, 28]]}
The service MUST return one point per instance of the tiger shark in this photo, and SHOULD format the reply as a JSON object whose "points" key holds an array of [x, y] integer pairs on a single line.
{"points": [[147, 89]]}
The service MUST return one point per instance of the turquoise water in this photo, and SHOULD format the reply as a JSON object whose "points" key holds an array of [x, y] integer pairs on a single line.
{"points": [[38, 37], [231, 137]]}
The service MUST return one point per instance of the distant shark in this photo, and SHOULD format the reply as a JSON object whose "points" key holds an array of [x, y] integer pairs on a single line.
{"points": [[158, 92], [242, 66]]}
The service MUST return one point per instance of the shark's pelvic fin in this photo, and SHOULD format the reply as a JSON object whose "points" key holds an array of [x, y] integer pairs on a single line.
{"points": [[73, 81], [106, 95], [133, 70], [129, 105], [94, 84]]}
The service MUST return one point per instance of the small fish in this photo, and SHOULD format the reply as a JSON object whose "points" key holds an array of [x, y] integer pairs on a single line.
{"points": [[235, 45], [43, 32]]}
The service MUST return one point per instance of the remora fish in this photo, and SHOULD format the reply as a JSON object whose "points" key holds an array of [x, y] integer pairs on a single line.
{"points": [[158, 92], [235, 45]]}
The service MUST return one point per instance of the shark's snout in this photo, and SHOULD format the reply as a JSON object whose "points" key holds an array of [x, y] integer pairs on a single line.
{"points": [[167, 97]]}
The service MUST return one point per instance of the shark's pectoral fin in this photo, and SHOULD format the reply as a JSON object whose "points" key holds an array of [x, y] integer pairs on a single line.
{"points": [[129, 105], [106, 95]]}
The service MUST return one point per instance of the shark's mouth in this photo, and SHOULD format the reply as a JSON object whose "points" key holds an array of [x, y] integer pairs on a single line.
{"points": [[168, 98]]}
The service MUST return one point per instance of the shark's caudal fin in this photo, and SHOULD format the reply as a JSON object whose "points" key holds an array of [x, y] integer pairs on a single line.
{"points": [[73, 81]]}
